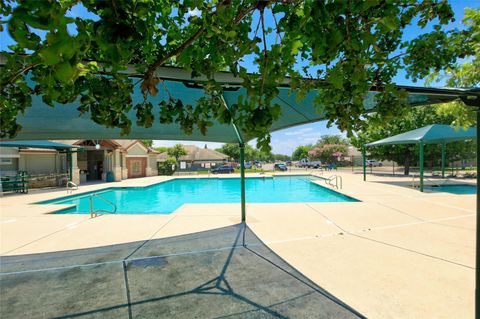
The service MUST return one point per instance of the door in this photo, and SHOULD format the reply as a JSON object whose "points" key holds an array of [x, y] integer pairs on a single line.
{"points": [[136, 166]]}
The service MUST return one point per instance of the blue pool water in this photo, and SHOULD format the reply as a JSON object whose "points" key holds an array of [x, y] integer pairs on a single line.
{"points": [[164, 198], [456, 189]]}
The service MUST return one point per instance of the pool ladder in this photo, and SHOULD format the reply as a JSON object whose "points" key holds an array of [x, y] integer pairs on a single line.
{"points": [[94, 213], [335, 181]]}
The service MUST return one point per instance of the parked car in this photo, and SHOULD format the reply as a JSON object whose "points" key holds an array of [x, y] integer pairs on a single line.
{"points": [[288, 163], [232, 164], [258, 164], [305, 162], [373, 163], [248, 165], [280, 167], [225, 169]]}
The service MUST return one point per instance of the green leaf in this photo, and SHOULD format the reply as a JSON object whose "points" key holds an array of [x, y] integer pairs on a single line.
{"points": [[295, 46], [49, 56], [65, 72]]}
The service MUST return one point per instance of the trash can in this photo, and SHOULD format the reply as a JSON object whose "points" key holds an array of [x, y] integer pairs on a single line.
{"points": [[110, 177]]}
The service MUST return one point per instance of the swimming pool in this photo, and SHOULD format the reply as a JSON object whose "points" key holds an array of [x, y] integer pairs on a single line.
{"points": [[166, 197], [456, 189]]}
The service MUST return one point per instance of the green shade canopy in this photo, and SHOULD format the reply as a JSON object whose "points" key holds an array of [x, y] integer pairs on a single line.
{"points": [[435, 133], [38, 144], [63, 121]]}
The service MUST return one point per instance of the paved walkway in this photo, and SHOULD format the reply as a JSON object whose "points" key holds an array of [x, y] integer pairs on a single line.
{"points": [[397, 254]]}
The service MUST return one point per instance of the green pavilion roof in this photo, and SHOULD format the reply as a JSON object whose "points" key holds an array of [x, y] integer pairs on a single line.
{"points": [[435, 133], [38, 144], [41, 121]]}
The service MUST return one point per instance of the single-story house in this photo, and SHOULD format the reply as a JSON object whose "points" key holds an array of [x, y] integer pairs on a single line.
{"points": [[95, 159], [197, 158]]}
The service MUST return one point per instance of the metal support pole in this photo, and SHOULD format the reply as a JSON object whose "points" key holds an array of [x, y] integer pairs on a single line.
{"points": [[70, 164], [242, 179], [443, 160], [241, 143], [421, 165], [364, 163], [477, 257]]}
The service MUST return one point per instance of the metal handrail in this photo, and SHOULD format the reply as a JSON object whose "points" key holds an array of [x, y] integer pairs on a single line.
{"points": [[94, 213], [435, 183], [71, 186], [336, 178]]}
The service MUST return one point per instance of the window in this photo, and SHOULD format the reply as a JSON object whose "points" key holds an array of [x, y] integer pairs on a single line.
{"points": [[6, 161]]}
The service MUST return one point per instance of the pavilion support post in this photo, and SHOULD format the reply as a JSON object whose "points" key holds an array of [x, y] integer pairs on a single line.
{"points": [[443, 160], [421, 165], [477, 254], [70, 164], [242, 179], [364, 164], [241, 144]]}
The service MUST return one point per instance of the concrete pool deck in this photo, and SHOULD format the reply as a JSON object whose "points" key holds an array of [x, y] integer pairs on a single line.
{"points": [[398, 253]]}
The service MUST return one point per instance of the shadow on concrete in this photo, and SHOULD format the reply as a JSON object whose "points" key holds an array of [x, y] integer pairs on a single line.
{"points": [[221, 273]]}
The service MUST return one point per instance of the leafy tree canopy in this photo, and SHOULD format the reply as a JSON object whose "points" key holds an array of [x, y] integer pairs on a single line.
{"points": [[251, 153], [148, 143], [177, 151], [161, 149], [332, 139], [407, 154], [466, 74], [301, 152], [329, 148], [343, 48]]}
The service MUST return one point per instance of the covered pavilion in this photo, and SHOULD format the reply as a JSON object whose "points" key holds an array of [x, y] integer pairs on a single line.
{"points": [[41, 122], [430, 134]]}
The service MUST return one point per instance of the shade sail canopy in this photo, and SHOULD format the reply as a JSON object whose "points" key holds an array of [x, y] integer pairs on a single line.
{"points": [[435, 133], [38, 144], [63, 121]]}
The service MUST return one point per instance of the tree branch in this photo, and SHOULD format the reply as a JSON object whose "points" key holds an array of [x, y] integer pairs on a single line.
{"points": [[162, 59]]}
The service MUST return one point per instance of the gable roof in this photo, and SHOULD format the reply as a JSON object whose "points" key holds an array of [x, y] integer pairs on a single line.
{"points": [[123, 145], [196, 154]]}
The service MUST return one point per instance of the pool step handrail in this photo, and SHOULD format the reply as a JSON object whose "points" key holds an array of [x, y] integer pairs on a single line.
{"points": [[335, 181], [432, 182], [94, 213], [71, 186]]}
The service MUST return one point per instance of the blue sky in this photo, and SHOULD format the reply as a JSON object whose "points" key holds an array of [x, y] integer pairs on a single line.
{"points": [[285, 141]]}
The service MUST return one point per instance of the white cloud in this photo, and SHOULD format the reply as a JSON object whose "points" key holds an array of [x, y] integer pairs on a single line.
{"points": [[300, 131]]}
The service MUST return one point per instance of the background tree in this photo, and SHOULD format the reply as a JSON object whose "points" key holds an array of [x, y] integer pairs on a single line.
{"points": [[407, 154], [161, 149], [177, 151], [332, 139], [301, 152], [329, 148], [148, 143], [231, 150], [167, 167], [281, 157], [354, 45]]}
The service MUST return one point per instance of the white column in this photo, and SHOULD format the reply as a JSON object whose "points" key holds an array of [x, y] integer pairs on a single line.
{"points": [[117, 166], [75, 169]]}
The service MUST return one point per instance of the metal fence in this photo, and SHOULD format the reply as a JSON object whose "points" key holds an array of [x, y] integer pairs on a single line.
{"points": [[464, 168]]}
